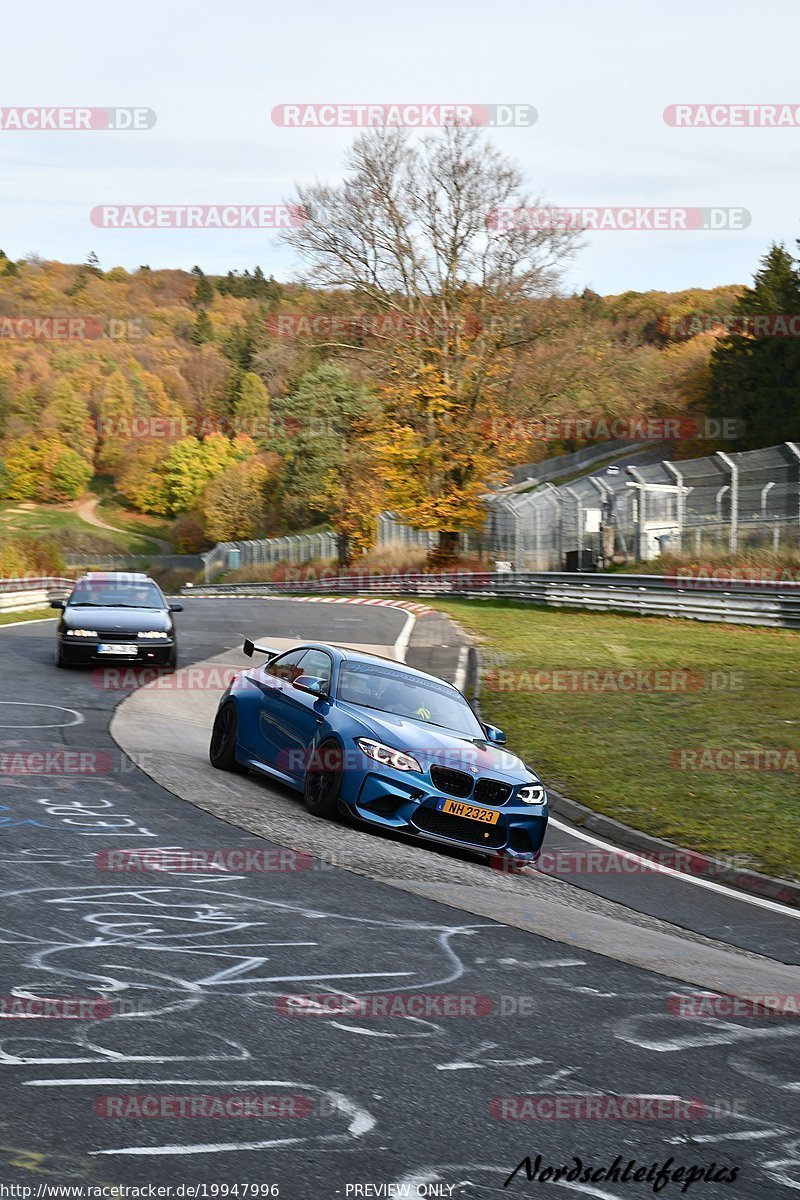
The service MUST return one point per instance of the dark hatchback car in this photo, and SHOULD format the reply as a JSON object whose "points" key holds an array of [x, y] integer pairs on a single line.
{"points": [[116, 617]]}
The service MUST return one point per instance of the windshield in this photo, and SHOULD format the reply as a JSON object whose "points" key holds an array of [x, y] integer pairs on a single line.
{"points": [[375, 686], [116, 595]]}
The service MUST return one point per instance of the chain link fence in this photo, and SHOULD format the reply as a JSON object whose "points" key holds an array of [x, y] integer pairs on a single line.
{"points": [[632, 507]]}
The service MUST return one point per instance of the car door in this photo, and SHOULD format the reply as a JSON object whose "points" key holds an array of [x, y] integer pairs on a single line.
{"points": [[272, 680], [299, 714]]}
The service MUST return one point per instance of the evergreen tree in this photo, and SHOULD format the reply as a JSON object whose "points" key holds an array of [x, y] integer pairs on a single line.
{"points": [[754, 376], [203, 330]]}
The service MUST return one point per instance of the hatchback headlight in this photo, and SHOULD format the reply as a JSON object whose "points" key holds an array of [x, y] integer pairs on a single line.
{"points": [[532, 793], [387, 756], [82, 633], [152, 633]]}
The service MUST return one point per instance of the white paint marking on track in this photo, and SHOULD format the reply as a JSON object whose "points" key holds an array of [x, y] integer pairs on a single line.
{"points": [[731, 893], [401, 645], [461, 668], [35, 621], [53, 725]]}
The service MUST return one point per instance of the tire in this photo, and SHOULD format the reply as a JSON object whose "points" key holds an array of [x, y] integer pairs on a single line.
{"points": [[222, 749], [172, 662], [60, 660], [323, 783]]}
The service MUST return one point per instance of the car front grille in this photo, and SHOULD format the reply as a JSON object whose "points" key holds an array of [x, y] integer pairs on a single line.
{"points": [[455, 783], [492, 791], [472, 833]]}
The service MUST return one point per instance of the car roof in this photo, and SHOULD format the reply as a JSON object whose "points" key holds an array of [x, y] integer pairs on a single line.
{"points": [[116, 577], [348, 654]]}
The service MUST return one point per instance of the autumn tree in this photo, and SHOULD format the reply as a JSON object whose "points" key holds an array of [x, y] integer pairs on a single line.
{"points": [[234, 504], [68, 416], [419, 233], [251, 407]]}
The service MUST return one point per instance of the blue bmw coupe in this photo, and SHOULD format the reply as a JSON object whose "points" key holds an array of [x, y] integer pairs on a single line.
{"points": [[390, 745]]}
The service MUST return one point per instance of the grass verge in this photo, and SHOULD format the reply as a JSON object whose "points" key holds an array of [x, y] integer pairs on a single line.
{"points": [[35, 614], [624, 752], [23, 520]]}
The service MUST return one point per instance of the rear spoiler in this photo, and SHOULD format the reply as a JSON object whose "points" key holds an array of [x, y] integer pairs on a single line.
{"points": [[250, 648]]}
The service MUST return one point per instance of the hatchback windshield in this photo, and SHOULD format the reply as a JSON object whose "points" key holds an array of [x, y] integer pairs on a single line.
{"points": [[375, 686], [106, 594]]}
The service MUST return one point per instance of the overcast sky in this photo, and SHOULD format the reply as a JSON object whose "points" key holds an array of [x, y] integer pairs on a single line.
{"points": [[598, 73]]}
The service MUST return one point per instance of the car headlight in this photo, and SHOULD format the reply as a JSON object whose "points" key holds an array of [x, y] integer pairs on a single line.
{"points": [[152, 633], [532, 793], [82, 633], [387, 756]]}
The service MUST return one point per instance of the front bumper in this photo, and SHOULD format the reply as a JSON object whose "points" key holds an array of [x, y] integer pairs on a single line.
{"points": [[86, 651], [409, 803]]}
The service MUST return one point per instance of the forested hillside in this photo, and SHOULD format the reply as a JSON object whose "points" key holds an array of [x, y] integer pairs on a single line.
{"points": [[237, 406]]}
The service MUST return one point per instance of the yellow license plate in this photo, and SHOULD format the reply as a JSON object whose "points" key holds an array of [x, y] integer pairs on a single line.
{"points": [[470, 812]]}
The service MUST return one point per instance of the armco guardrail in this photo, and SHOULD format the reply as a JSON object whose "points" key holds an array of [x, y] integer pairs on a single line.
{"points": [[27, 583], [13, 602], [30, 592], [738, 601]]}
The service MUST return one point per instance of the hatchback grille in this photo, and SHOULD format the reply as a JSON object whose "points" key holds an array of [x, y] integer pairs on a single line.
{"points": [[455, 783], [460, 829], [492, 791]]}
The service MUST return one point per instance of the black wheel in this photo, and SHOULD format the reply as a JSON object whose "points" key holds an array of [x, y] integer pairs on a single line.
{"points": [[222, 751], [60, 660], [324, 780], [172, 662]]}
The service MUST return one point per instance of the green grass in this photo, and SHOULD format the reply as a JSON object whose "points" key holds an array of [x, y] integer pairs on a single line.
{"points": [[140, 524], [35, 614], [611, 750], [72, 533]]}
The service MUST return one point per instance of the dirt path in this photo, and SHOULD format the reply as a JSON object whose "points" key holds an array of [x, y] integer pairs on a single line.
{"points": [[86, 510]]}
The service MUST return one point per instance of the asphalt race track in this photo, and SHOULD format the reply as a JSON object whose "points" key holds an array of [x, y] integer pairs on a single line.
{"points": [[535, 986]]}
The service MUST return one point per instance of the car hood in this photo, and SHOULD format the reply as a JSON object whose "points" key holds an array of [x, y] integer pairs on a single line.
{"points": [[432, 745], [117, 620]]}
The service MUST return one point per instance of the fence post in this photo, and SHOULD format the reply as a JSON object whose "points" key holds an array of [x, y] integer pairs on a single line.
{"points": [[555, 495], [641, 511], [681, 505], [579, 522], [734, 473], [795, 450]]}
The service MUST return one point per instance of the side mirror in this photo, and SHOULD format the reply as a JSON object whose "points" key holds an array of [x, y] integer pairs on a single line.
{"points": [[493, 734], [250, 648], [176, 608], [310, 684], [62, 604]]}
